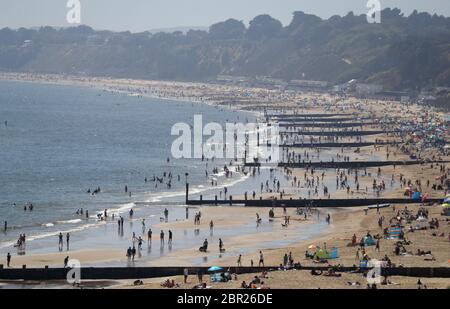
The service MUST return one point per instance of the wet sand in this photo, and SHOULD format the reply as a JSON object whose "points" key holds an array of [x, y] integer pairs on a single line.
{"points": [[344, 222]]}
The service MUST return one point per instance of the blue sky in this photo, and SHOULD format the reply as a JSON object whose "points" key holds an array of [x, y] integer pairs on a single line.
{"points": [[141, 15]]}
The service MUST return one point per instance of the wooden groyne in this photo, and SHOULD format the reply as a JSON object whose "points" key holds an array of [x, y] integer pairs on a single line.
{"points": [[106, 273], [134, 273], [326, 124], [336, 145], [300, 202], [320, 203], [308, 115], [355, 164], [340, 119], [337, 133]]}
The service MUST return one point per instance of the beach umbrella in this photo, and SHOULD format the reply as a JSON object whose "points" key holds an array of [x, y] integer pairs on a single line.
{"points": [[215, 268], [446, 205], [447, 200]]}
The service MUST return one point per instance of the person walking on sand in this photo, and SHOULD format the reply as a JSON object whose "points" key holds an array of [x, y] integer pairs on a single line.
{"points": [[166, 214], [60, 241], [67, 240], [261, 259], [133, 253], [170, 237], [186, 274], [66, 261], [239, 260], [8, 260], [377, 246], [149, 235], [220, 245], [161, 237], [6, 226], [200, 276]]}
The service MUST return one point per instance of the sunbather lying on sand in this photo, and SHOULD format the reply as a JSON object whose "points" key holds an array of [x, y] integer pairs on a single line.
{"points": [[170, 284]]}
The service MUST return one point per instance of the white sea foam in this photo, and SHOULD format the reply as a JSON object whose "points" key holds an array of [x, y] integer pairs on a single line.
{"points": [[54, 233], [73, 221]]}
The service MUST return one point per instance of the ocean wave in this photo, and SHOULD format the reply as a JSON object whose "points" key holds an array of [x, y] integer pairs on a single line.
{"points": [[54, 233], [73, 221]]}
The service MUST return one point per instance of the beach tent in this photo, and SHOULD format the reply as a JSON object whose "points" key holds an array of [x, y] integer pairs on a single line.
{"points": [[321, 254], [369, 241], [334, 253], [416, 195]]}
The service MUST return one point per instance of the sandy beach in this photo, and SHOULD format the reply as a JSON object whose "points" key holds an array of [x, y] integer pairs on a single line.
{"points": [[307, 230]]}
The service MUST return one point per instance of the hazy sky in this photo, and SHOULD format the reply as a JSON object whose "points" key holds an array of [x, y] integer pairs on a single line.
{"points": [[140, 15]]}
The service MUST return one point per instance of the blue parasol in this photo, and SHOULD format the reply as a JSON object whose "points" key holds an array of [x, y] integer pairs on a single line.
{"points": [[215, 268]]}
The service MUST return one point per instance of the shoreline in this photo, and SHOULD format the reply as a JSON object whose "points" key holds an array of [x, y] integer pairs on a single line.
{"points": [[344, 222]]}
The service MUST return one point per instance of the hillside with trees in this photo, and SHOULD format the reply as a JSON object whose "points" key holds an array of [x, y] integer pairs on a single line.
{"points": [[402, 53]]}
